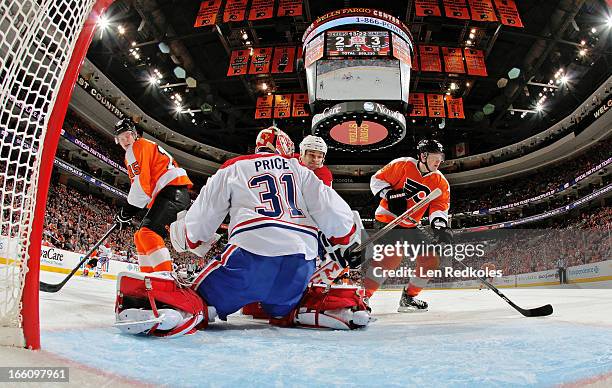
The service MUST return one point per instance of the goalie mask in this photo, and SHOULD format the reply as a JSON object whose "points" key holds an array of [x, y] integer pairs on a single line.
{"points": [[274, 140]]}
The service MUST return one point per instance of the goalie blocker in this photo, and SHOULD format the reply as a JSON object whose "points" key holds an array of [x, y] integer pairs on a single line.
{"points": [[157, 305]]}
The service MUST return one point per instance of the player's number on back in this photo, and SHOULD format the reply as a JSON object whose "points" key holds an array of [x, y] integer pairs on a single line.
{"points": [[170, 159], [270, 192]]}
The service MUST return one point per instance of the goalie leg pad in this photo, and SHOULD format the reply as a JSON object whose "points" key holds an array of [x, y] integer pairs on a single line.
{"points": [[144, 300], [340, 307]]}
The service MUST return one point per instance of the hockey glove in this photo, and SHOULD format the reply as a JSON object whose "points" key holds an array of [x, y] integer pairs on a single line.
{"points": [[441, 231], [397, 201], [124, 217], [342, 253]]}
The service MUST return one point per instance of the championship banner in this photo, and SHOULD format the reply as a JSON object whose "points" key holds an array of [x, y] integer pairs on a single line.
{"points": [[260, 63], [417, 100], [453, 60], [261, 9], [282, 106], [263, 108], [401, 50], [238, 63], [474, 59], [207, 15], [283, 60], [430, 58], [299, 102], [435, 105], [456, 9], [455, 107], [508, 13], [427, 8], [482, 10], [235, 10], [289, 8]]}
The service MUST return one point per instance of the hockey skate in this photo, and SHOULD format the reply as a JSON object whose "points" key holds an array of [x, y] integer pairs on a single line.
{"points": [[409, 304]]}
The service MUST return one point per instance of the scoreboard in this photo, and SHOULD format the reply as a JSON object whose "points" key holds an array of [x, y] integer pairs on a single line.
{"points": [[357, 43]]}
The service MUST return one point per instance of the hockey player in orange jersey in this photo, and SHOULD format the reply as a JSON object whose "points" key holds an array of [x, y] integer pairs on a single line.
{"points": [[400, 184], [158, 184]]}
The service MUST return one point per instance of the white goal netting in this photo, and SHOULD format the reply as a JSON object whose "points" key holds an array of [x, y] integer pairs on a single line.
{"points": [[37, 39]]}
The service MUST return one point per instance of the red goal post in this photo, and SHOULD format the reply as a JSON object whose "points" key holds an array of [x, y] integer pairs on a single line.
{"points": [[42, 46]]}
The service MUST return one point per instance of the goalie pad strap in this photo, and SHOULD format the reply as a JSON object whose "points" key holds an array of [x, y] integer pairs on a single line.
{"points": [[135, 289]]}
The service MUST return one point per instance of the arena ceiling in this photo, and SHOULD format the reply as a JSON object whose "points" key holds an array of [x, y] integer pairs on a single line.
{"points": [[147, 35]]}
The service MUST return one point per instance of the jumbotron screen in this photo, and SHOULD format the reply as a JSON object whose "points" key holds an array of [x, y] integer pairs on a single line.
{"points": [[357, 43]]}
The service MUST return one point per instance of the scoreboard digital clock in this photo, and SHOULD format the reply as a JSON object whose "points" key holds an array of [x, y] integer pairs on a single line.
{"points": [[357, 43]]}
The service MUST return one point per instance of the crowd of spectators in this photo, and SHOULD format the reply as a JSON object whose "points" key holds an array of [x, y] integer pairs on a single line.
{"points": [[507, 191], [583, 238], [75, 221], [80, 129]]}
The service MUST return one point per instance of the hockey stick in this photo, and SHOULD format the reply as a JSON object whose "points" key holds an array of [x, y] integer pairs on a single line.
{"points": [[541, 311], [407, 215], [330, 270], [46, 287]]}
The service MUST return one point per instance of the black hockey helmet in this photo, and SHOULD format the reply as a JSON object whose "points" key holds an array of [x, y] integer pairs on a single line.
{"points": [[430, 146], [124, 125]]}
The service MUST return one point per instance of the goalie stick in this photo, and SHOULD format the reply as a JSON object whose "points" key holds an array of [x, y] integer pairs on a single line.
{"points": [[541, 311], [330, 270], [46, 287]]}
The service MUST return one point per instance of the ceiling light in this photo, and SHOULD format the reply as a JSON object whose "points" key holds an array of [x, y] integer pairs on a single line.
{"points": [[609, 21], [453, 86], [582, 52], [582, 42], [538, 107], [103, 22], [467, 84], [248, 42], [468, 42], [245, 36], [472, 36], [120, 29], [593, 30], [564, 79], [473, 30], [264, 86], [153, 80]]}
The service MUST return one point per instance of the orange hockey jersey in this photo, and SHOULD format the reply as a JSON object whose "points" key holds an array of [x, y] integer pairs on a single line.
{"points": [[151, 168], [405, 170]]}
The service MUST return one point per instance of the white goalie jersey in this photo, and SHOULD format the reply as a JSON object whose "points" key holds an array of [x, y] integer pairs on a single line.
{"points": [[276, 206]]}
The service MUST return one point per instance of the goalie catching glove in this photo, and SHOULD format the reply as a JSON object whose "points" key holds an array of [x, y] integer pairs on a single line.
{"points": [[180, 242]]}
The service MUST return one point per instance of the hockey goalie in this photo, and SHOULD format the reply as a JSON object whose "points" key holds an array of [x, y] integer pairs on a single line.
{"points": [[277, 208]]}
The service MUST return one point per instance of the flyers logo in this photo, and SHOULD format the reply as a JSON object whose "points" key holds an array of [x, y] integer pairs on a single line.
{"points": [[415, 191]]}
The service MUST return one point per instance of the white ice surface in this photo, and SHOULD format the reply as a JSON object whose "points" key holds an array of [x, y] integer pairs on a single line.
{"points": [[468, 338]]}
